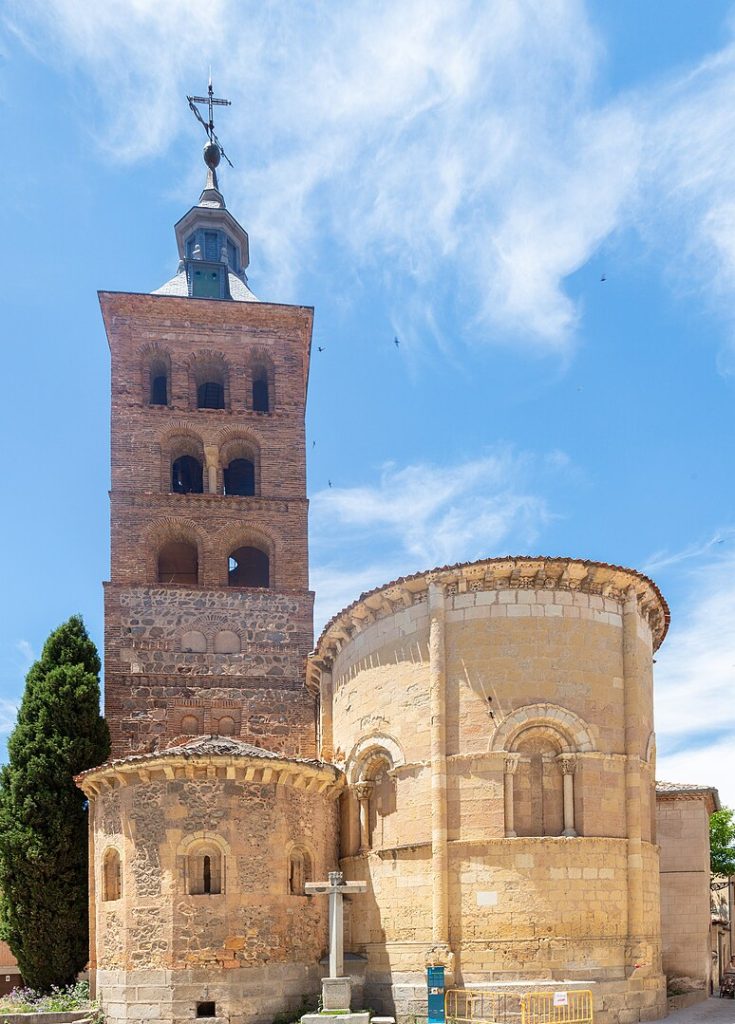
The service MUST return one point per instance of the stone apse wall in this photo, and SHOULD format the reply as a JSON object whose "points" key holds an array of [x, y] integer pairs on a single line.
{"points": [[495, 724], [169, 932]]}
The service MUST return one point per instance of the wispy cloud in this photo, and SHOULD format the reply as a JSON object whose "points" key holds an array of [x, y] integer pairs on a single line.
{"points": [[456, 141], [695, 680], [697, 549], [414, 517]]}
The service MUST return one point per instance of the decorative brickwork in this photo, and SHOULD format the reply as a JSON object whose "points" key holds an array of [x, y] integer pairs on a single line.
{"points": [[152, 602]]}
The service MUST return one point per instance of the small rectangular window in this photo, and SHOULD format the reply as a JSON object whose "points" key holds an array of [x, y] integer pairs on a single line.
{"points": [[206, 1010], [211, 249]]}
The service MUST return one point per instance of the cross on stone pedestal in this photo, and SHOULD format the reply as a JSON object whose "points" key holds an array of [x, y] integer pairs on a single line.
{"points": [[336, 888]]}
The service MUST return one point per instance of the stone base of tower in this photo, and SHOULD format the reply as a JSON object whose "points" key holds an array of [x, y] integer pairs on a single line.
{"points": [[247, 995]]}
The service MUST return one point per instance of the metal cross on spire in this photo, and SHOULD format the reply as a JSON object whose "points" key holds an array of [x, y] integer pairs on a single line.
{"points": [[211, 101]]}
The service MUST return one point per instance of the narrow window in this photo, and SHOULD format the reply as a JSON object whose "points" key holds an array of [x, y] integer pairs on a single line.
{"points": [[111, 876], [232, 254], [187, 476], [178, 563], [240, 477], [299, 871], [211, 249], [249, 567], [211, 395], [207, 873], [159, 390], [261, 401]]}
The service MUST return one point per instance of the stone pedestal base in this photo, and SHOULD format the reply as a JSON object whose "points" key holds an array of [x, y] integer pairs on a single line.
{"points": [[336, 1018], [336, 994]]}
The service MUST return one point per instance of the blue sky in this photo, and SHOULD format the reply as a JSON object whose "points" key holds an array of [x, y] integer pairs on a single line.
{"points": [[462, 176]]}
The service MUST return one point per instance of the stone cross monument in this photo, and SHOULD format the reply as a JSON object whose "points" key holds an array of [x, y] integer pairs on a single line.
{"points": [[336, 988]]}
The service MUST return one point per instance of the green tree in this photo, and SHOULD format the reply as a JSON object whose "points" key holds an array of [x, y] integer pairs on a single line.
{"points": [[722, 842], [43, 816]]}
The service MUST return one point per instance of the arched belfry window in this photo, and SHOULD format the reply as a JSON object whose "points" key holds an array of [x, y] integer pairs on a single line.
{"points": [[159, 373], [204, 870], [261, 390], [111, 875], [239, 477], [248, 567], [208, 381], [178, 563], [211, 395], [187, 476]]}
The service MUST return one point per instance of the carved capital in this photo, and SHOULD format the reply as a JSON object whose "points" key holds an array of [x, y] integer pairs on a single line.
{"points": [[567, 763], [363, 790], [511, 763]]}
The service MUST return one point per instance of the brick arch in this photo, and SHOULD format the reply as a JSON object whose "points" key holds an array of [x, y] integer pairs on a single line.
{"points": [[240, 444], [210, 624], [241, 535], [170, 529], [149, 354], [203, 365], [573, 731], [369, 750], [259, 358]]}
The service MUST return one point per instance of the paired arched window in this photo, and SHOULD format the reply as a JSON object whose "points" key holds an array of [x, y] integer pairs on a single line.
{"points": [[194, 642], [248, 567], [226, 642], [187, 475], [111, 875], [239, 477], [299, 871], [178, 563], [204, 870]]}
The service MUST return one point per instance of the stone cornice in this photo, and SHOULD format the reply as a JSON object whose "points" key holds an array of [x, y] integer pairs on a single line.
{"points": [[309, 777], [508, 573]]}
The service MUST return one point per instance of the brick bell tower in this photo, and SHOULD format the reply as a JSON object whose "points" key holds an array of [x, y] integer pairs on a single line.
{"points": [[208, 613]]}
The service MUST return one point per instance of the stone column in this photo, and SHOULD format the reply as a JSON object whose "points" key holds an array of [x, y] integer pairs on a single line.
{"points": [[362, 792], [325, 715], [567, 763], [437, 689], [211, 457], [633, 683], [511, 763], [92, 907]]}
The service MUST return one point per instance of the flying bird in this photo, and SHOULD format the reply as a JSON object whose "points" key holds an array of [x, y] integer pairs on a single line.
{"points": [[604, 277], [313, 444], [396, 342], [329, 482], [319, 348]]}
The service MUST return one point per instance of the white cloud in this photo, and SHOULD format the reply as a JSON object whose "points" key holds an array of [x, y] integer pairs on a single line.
{"points": [[711, 765], [418, 516], [8, 714], [695, 681], [455, 143]]}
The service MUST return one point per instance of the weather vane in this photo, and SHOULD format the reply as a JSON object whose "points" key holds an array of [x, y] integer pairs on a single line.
{"points": [[212, 101]]}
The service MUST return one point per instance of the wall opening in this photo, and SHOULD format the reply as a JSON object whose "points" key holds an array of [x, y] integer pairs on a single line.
{"points": [[239, 477], [190, 725], [261, 396], [111, 876], [538, 789], [299, 871], [159, 389], [248, 567], [206, 1009], [187, 475], [205, 871], [178, 563], [211, 395], [226, 642], [226, 726]]}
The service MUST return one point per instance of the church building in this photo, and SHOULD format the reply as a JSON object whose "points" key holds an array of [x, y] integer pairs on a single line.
{"points": [[475, 742]]}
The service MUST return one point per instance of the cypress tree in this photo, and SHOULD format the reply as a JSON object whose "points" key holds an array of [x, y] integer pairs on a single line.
{"points": [[43, 816]]}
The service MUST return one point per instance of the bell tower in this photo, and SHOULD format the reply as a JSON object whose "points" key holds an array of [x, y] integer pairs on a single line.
{"points": [[208, 613]]}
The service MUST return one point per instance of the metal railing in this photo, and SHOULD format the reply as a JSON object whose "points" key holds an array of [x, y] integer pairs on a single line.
{"points": [[478, 1006]]}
